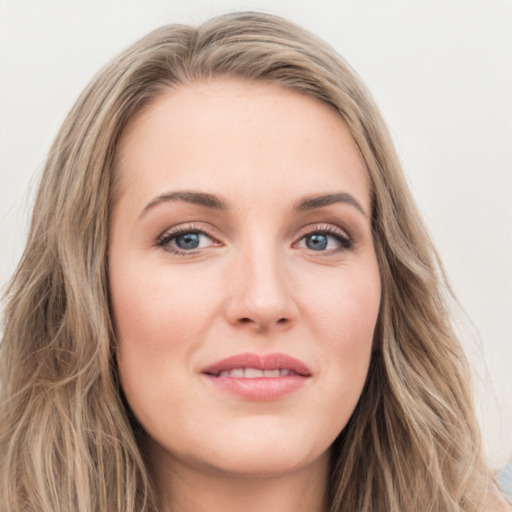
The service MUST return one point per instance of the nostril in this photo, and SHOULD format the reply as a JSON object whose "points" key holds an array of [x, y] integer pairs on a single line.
{"points": [[246, 320]]}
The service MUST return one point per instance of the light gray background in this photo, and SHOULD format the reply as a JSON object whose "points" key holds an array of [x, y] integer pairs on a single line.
{"points": [[441, 71]]}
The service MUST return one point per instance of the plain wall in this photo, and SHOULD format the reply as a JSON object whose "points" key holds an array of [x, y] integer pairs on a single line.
{"points": [[441, 72]]}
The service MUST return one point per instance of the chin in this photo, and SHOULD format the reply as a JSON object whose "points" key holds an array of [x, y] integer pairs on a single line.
{"points": [[262, 452], [261, 463]]}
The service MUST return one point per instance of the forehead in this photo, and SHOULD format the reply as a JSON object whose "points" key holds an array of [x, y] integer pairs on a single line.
{"points": [[240, 137]]}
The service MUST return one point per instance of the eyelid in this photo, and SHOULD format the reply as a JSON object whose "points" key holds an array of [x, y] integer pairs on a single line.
{"points": [[324, 228], [327, 229], [164, 239]]}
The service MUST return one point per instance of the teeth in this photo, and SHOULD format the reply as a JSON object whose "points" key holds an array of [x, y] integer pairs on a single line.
{"points": [[254, 373]]}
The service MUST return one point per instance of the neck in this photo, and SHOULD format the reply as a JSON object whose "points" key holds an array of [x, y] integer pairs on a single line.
{"points": [[185, 488]]}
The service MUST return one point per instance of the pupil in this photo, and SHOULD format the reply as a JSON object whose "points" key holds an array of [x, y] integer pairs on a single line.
{"points": [[316, 242], [188, 241]]}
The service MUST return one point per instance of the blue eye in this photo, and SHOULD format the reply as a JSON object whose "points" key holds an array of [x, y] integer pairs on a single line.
{"points": [[187, 241], [317, 241], [183, 241], [327, 240]]}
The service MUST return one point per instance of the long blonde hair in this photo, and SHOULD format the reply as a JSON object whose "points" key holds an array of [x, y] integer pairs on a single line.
{"points": [[67, 441]]}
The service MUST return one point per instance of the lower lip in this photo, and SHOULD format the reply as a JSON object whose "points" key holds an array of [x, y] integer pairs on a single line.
{"points": [[259, 389]]}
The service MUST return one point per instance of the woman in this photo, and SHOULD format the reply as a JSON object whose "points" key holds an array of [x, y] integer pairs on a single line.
{"points": [[228, 300]]}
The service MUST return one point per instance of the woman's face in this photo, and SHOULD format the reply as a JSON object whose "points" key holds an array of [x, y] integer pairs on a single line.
{"points": [[243, 277]]}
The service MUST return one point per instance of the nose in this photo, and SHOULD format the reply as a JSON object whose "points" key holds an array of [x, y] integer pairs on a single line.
{"points": [[260, 292]]}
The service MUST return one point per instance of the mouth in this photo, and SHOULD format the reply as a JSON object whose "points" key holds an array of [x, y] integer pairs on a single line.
{"points": [[258, 377], [254, 366], [256, 373]]}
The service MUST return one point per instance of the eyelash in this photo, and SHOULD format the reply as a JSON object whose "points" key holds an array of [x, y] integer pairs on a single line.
{"points": [[164, 240], [341, 237]]}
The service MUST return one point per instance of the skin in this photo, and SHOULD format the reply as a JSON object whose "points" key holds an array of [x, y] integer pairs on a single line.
{"points": [[254, 284]]}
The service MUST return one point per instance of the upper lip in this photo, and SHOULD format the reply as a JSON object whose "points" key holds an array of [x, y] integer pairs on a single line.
{"points": [[262, 362]]}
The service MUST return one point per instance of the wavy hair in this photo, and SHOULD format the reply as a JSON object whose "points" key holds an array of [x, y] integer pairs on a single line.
{"points": [[67, 441]]}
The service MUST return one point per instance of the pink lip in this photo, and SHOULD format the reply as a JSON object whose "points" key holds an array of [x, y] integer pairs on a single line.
{"points": [[266, 388]]}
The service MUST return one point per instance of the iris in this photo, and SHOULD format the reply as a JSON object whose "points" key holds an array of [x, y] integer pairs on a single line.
{"points": [[187, 241], [317, 242]]}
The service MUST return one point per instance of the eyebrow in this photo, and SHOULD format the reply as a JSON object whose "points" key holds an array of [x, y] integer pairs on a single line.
{"points": [[214, 202], [198, 198], [319, 201]]}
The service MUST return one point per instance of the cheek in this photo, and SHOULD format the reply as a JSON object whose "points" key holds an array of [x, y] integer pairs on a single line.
{"points": [[159, 320], [344, 316], [346, 307], [154, 305], [162, 313]]}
